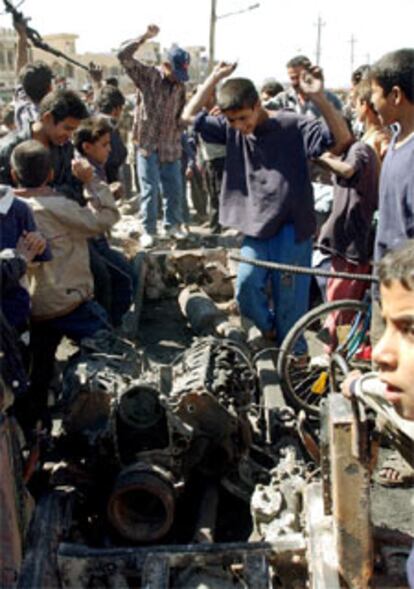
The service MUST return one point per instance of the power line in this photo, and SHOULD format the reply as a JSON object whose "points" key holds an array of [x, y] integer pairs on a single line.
{"points": [[318, 51]]}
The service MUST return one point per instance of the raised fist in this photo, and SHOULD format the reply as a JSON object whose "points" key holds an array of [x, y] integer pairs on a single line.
{"points": [[152, 31]]}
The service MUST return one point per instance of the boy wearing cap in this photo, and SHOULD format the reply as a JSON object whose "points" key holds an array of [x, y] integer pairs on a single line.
{"points": [[161, 101]]}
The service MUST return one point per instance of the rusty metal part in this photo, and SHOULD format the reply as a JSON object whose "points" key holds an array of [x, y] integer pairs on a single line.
{"points": [[200, 310], [142, 504], [78, 565], [350, 492]]}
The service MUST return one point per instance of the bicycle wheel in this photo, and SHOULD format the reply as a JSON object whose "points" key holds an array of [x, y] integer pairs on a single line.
{"points": [[339, 326]]}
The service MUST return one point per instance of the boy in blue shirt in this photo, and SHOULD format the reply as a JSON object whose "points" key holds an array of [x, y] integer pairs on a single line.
{"points": [[266, 191]]}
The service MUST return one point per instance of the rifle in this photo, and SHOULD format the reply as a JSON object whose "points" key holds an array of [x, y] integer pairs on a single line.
{"points": [[35, 37]]}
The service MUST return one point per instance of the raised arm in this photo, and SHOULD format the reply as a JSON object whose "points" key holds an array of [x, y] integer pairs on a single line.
{"points": [[312, 86], [201, 97], [129, 48], [22, 49]]}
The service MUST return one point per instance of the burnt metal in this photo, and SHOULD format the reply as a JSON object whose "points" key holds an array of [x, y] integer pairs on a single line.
{"points": [[207, 517], [350, 492], [51, 522], [145, 445], [79, 564]]}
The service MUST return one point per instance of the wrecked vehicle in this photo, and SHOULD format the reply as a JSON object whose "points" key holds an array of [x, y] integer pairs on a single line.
{"points": [[195, 472]]}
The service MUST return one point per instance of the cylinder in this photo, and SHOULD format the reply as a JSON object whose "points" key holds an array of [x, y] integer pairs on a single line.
{"points": [[142, 504]]}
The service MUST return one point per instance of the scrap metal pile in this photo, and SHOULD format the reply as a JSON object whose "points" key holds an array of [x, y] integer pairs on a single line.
{"points": [[183, 475]]}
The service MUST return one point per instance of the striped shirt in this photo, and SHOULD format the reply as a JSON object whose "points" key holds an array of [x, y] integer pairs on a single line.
{"points": [[159, 106]]}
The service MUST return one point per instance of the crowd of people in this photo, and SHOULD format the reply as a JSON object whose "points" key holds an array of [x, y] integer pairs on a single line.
{"points": [[254, 160]]}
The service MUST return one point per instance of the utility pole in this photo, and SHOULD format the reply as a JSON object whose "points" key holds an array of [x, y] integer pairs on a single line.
{"points": [[213, 20], [318, 52], [352, 42], [212, 44]]}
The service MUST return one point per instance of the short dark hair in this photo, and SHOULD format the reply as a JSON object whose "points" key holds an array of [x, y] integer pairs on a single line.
{"points": [[299, 61], [398, 265], [395, 69], [109, 98], [31, 162], [237, 93], [363, 91], [361, 73], [272, 88], [36, 79], [90, 131], [63, 104], [112, 81]]}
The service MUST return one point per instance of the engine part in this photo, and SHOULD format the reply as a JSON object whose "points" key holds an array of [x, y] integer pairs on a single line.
{"points": [[142, 504], [277, 508]]}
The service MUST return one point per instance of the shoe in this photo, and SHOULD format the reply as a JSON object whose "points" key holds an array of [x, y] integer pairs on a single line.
{"points": [[173, 231], [146, 240]]}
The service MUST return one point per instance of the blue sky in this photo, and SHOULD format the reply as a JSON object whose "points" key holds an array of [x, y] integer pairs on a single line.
{"points": [[262, 40]]}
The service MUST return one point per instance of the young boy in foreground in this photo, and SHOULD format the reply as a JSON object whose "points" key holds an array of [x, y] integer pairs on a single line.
{"points": [[61, 289], [266, 191], [394, 353]]}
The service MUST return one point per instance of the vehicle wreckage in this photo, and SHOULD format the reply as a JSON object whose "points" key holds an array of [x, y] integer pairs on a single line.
{"points": [[188, 474]]}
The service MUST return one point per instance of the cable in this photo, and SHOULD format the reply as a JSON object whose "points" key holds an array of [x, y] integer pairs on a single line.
{"points": [[304, 270]]}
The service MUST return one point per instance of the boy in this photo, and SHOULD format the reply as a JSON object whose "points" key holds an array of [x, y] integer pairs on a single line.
{"points": [[266, 191], [110, 104], [115, 287], [394, 353], [159, 107], [374, 134], [393, 99], [62, 289], [60, 113], [18, 232]]}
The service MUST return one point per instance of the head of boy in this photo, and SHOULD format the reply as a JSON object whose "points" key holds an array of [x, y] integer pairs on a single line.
{"points": [[111, 101], [394, 353], [31, 164], [60, 114], [239, 101], [392, 83], [362, 99], [36, 79], [295, 67], [270, 89], [177, 64], [93, 139]]}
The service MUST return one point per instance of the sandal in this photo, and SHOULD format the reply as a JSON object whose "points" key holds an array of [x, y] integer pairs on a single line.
{"points": [[395, 472]]}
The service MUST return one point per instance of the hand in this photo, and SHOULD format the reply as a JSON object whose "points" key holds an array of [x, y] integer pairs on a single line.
{"points": [[117, 190], [189, 173], [215, 111], [95, 72], [30, 245], [223, 70], [82, 170], [311, 81], [346, 384], [152, 31]]}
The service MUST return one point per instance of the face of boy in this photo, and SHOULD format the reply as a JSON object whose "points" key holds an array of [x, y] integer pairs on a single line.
{"points": [[394, 353], [384, 105], [59, 133], [100, 150], [244, 120]]}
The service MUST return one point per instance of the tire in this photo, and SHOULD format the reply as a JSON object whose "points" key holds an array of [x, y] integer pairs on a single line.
{"points": [[307, 384]]}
